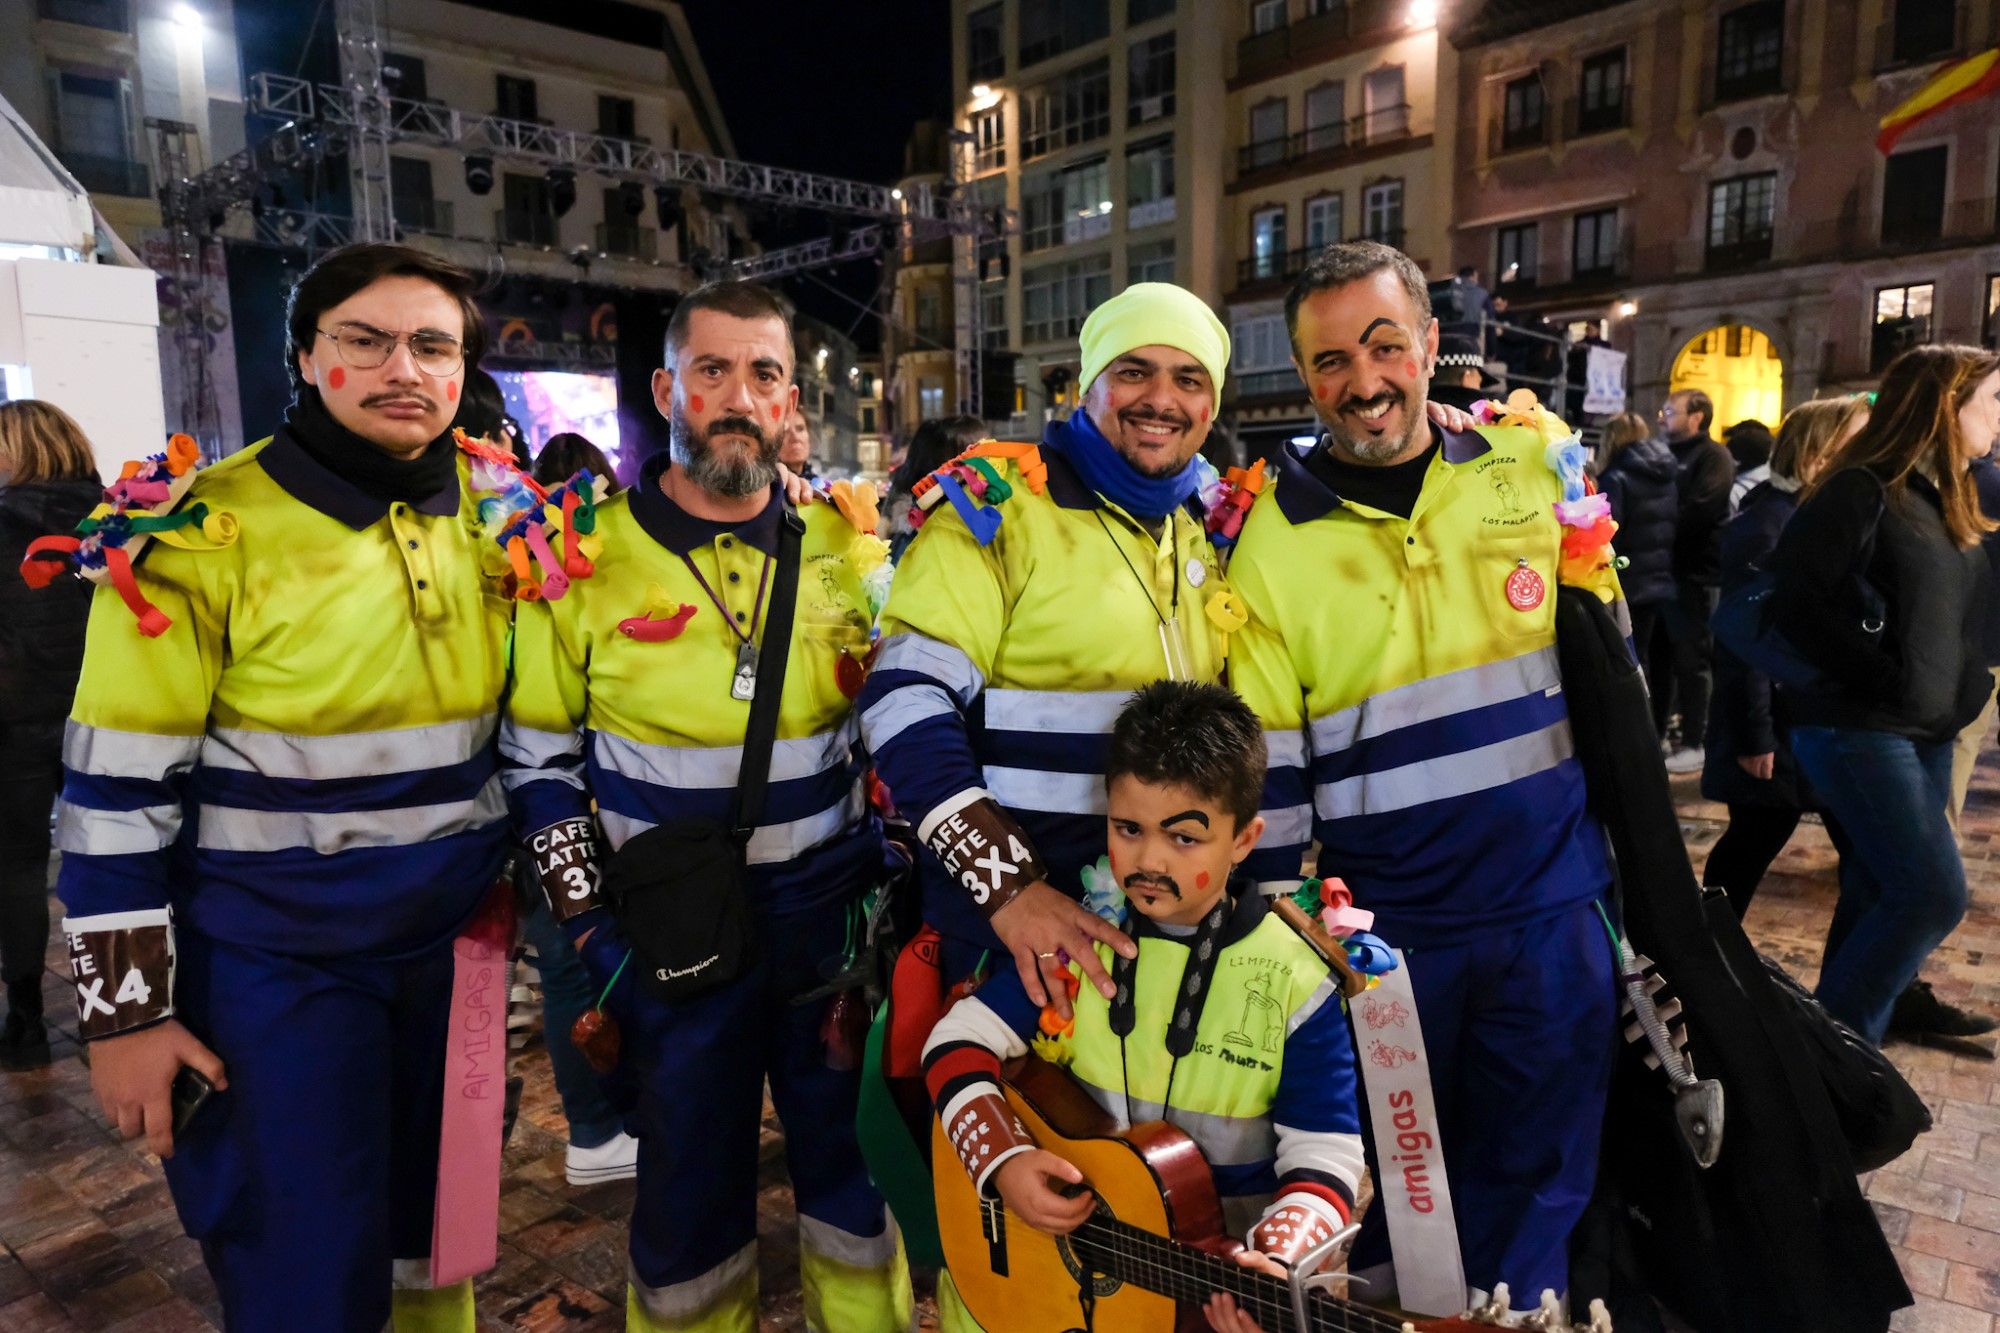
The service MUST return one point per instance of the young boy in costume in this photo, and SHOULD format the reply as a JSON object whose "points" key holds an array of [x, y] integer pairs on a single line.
{"points": [[1233, 1028]]}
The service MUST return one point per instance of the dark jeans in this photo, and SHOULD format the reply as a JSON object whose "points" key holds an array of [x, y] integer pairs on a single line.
{"points": [[1685, 620], [1737, 862], [567, 991], [1902, 884], [1647, 644], [30, 776]]}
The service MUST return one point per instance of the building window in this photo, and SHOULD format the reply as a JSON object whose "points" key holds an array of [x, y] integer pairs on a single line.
{"points": [[930, 314], [1992, 324], [514, 98], [1913, 195], [617, 117], [1517, 255], [1260, 357], [867, 418], [989, 139], [105, 15], [1151, 262], [1267, 135], [1071, 109], [1051, 27], [1326, 116], [1267, 15], [1267, 242], [930, 399], [1902, 321], [1150, 79], [1523, 115], [1149, 183], [405, 76], [1143, 11], [1750, 51], [1741, 212], [1925, 30], [1056, 297], [1067, 206], [985, 57], [413, 197], [1384, 112], [525, 216], [91, 117], [1382, 213], [1595, 251], [993, 315], [1601, 96], [1323, 221]]}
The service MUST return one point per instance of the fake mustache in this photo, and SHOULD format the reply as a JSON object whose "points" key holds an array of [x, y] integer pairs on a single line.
{"points": [[1152, 883], [377, 399]]}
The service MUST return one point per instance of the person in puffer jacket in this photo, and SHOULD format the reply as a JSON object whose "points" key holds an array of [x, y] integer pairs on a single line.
{"points": [[1637, 475]]}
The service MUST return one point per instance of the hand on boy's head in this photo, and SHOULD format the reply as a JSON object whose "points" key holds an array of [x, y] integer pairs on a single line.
{"points": [[1030, 1183]]}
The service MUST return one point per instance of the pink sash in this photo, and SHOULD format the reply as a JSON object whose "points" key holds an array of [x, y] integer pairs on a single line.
{"points": [[465, 1229]]}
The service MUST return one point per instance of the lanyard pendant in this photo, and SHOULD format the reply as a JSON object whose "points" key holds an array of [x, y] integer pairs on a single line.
{"points": [[743, 685], [1174, 645]]}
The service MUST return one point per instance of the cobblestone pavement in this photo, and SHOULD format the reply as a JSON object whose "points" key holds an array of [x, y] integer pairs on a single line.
{"points": [[89, 1240]]}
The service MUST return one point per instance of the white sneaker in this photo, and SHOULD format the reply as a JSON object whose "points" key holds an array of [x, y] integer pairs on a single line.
{"points": [[1684, 760], [617, 1158]]}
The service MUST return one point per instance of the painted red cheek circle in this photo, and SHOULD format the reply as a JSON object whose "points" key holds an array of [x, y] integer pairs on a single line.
{"points": [[694, 401], [1204, 416], [1201, 879], [451, 392], [1321, 392], [777, 413], [336, 378], [1410, 369]]}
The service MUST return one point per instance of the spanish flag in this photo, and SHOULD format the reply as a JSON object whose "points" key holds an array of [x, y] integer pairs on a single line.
{"points": [[1961, 81]]}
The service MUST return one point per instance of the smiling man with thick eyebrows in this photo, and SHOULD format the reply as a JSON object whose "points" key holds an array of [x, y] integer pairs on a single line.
{"points": [[1401, 653]]}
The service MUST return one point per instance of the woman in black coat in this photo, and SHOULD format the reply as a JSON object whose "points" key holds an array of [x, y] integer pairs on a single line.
{"points": [[1748, 764], [48, 484]]}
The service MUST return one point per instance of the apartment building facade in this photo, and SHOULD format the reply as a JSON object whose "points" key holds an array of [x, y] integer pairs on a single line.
{"points": [[1699, 182]]}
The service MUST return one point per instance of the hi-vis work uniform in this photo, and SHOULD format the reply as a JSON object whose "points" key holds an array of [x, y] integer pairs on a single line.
{"points": [[1003, 666], [1406, 674], [643, 720], [294, 790]]}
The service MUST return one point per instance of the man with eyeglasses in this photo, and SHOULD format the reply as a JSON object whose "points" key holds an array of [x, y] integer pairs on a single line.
{"points": [[282, 807], [1704, 474]]}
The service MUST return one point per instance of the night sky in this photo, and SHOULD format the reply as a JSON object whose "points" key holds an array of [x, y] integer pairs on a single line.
{"points": [[827, 87]]}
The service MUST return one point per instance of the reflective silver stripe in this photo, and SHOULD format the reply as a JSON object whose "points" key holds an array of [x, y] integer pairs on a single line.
{"points": [[1084, 712], [355, 754], [1050, 793], [531, 747], [228, 828], [1439, 696], [902, 709], [1323, 992], [1289, 827], [1225, 1140], [681, 1301], [137, 919], [771, 844], [1286, 747], [698, 767], [87, 832], [126, 754], [1449, 775], [940, 661], [824, 1238], [411, 1275]]}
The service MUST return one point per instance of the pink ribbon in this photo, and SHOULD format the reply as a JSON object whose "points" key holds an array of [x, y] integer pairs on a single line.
{"points": [[465, 1228]]}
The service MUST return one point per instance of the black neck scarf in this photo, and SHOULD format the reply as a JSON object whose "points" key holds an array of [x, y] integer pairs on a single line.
{"points": [[367, 466]]}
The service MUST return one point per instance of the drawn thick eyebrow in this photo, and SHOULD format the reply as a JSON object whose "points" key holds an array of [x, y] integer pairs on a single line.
{"points": [[1195, 815], [1369, 332]]}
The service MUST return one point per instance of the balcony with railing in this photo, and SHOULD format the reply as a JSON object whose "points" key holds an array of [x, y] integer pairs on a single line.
{"points": [[1319, 146], [105, 15], [1315, 37], [424, 217], [1504, 138], [1720, 86], [1282, 266], [1281, 383], [521, 226], [109, 175], [1932, 30], [1604, 116], [627, 240]]}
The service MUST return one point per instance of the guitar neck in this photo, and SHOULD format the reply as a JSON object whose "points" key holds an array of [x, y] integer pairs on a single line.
{"points": [[1169, 1268]]}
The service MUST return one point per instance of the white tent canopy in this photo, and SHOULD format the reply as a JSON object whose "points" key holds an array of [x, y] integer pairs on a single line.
{"points": [[42, 204]]}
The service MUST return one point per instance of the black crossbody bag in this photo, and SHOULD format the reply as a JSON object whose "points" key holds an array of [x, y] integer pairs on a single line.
{"points": [[681, 890]]}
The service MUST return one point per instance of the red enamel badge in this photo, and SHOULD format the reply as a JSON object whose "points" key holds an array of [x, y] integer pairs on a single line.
{"points": [[1525, 589]]}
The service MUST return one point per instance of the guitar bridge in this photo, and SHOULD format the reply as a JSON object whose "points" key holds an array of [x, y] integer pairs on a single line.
{"points": [[993, 1226]]}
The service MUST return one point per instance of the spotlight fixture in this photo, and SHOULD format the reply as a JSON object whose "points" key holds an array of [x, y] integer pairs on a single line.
{"points": [[632, 198], [562, 190], [667, 200], [479, 175]]}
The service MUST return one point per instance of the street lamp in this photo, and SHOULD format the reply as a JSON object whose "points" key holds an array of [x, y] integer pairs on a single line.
{"points": [[188, 17], [1627, 309], [1423, 13]]}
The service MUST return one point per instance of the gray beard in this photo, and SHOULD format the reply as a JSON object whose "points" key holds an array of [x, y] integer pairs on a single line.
{"points": [[735, 478], [1378, 451]]}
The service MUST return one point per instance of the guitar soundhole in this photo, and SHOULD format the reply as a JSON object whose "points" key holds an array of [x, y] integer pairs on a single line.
{"points": [[1102, 1284]]}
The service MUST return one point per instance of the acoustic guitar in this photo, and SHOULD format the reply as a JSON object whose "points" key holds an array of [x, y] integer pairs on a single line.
{"points": [[1150, 1255]]}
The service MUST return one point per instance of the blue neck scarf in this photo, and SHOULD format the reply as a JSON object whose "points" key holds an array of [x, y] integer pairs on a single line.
{"points": [[1105, 470]]}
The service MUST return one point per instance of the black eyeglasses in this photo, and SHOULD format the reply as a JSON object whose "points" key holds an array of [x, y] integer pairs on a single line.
{"points": [[366, 348]]}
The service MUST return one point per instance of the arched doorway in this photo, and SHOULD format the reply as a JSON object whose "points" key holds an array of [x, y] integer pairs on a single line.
{"points": [[1737, 367]]}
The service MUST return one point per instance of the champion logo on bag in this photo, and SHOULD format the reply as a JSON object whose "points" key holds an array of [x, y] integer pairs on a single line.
{"points": [[675, 974]]}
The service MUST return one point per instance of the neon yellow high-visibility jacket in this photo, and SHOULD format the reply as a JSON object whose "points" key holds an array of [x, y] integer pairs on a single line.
{"points": [[647, 725], [304, 761], [1405, 671], [1003, 666]]}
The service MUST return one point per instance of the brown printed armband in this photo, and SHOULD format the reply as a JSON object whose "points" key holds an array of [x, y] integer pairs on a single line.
{"points": [[984, 1132], [123, 965], [984, 849], [566, 865], [1290, 1230]]}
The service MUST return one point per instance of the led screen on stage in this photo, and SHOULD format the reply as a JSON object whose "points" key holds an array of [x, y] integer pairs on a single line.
{"points": [[548, 402]]}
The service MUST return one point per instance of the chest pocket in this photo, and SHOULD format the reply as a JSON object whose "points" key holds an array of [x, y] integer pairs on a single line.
{"points": [[1516, 581], [821, 646]]}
